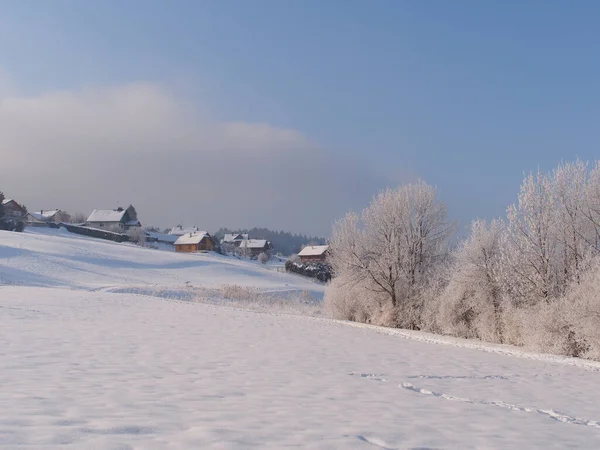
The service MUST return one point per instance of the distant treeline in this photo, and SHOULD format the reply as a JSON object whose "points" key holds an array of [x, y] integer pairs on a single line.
{"points": [[282, 241]]}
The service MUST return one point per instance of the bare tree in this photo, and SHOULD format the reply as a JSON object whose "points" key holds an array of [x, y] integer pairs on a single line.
{"points": [[78, 217], [393, 246]]}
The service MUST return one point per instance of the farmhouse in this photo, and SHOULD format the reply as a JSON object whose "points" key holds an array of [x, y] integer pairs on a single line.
{"points": [[12, 210], [313, 253], [194, 242], [46, 216], [233, 238], [113, 219], [254, 247]]}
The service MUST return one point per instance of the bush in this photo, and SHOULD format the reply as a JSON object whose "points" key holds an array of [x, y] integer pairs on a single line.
{"points": [[320, 271], [263, 258], [137, 236]]}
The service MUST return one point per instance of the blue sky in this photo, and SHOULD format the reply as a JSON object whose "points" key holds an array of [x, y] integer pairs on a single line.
{"points": [[467, 95]]}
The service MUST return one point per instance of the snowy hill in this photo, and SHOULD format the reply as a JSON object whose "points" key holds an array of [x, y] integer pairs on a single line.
{"points": [[57, 258], [86, 363]]}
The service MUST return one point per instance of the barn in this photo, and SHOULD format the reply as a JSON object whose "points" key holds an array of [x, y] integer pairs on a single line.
{"points": [[313, 253], [194, 242]]}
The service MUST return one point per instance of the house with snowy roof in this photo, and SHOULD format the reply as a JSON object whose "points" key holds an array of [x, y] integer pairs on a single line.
{"points": [[314, 253], [119, 219], [46, 216], [234, 238], [180, 230], [12, 210], [194, 242], [253, 247]]}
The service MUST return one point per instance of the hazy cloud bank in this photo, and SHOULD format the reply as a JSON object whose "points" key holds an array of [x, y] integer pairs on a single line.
{"points": [[139, 144]]}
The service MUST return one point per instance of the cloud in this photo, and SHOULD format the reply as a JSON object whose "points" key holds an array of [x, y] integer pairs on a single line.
{"points": [[139, 144]]}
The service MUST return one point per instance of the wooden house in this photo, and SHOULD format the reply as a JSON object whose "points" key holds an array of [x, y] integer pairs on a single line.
{"points": [[194, 242], [313, 253]]}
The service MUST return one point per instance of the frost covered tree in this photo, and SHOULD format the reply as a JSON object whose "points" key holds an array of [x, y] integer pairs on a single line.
{"points": [[471, 303], [592, 208], [553, 232], [531, 244], [392, 248]]}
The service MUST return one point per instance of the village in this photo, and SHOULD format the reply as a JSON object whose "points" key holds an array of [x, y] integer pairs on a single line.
{"points": [[122, 225]]}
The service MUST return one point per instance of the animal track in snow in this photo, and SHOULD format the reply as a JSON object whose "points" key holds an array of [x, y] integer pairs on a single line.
{"points": [[555, 415], [370, 376], [460, 377]]}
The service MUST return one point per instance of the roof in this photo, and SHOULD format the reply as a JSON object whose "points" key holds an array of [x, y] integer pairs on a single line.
{"points": [[46, 213], [253, 243], [179, 230], [313, 250], [192, 238], [38, 216], [7, 200], [233, 237], [106, 215]]}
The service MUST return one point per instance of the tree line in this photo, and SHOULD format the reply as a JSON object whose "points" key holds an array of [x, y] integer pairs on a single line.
{"points": [[530, 279]]}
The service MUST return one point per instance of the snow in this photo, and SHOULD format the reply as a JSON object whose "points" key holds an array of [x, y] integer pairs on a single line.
{"points": [[106, 215], [180, 230], [230, 238], [56, 258], [39, 217], [253, 243], [191, 238], [162, 237], [46, 213], [88, 367], [313, 250]]}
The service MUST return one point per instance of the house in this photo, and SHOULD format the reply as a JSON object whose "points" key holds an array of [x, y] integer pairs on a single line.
{"points": [[313, 253], [12, 210], [253, 247], [180, 230], [234, 238], [194, 242], [46, 216], [113, 219]]}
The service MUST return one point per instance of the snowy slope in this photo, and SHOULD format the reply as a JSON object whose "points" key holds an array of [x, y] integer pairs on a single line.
{"points": [[107, 371], [85, 367], [57, 258]]}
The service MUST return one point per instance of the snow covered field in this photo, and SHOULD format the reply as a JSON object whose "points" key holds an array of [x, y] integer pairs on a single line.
{"points": [[84, 365], [57, 258]]}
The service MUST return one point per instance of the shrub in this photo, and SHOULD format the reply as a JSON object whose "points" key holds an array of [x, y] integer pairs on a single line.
{"points": [[137, 236], [320, 271]]}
